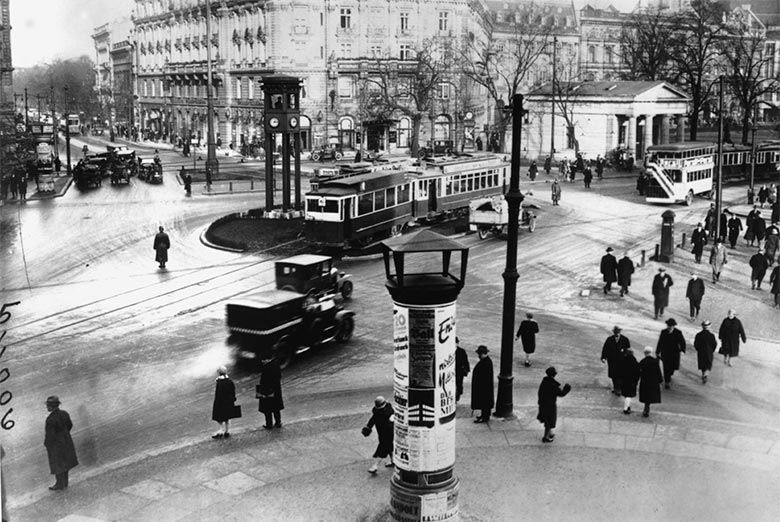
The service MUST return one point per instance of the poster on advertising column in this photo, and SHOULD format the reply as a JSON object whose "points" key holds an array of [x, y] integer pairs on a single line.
{"points": [[424, 387]]}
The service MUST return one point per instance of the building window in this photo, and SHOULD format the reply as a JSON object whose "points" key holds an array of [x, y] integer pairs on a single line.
{"points": [[238, 88], [154, 91], [346, 18], [405, 52], [404, 21], [610, 55], [404, 132], [345, 84], [444, 91], [146, 88], [162, 88], [591, 53], [376, 51], [322, 19], [346, 50], [443, 21], [250, 92]]}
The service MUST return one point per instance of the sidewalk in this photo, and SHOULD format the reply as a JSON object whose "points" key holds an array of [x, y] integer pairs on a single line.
{"points": [[61, 185], [311, 470]]}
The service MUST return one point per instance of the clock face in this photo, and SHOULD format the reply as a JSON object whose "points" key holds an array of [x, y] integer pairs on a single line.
{"points": [[469, 115], [273, 122], [293, 122]]}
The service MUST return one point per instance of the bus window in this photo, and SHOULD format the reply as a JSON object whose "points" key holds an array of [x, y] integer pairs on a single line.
{"points": [[676, 175]]}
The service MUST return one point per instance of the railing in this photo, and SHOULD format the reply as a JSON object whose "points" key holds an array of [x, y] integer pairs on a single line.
{"points": [[665, 182]]}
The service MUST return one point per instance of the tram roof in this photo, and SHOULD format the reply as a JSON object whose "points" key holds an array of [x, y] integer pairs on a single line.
{"points": [[367, 182], [682, 145]]}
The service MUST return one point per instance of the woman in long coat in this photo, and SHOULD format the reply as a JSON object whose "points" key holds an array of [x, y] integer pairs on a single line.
{"points": [[269, 393], [705, 344], [671, 344], [625, 268], [482, 385], [629, 371], [382, 417], [771, 244], [161, 245], [729, 334], [718, 258], [774, 281], [224, 403], [549, 391], [59, 444], [650, 380]]}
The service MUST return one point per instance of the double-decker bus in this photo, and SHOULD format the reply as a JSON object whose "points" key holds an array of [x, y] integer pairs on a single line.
{"points": [[679, 171]]}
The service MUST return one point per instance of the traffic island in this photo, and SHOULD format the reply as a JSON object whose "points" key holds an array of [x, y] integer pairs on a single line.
{"points": [[257, 230]]}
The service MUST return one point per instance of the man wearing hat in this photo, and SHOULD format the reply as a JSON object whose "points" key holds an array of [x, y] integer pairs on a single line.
{"points": [[462, 368], [661, 284], [758, 267], [735, 227], [731, 331], [698, 240], [705, 344], [549, 391], [482, 385], [612, 353], [650, 380], [694, 294], [609, 268], [718, 258], [671, 344], [59, 444]]}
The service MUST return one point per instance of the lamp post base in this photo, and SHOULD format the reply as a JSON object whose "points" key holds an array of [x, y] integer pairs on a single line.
{"points": [[504, 406]]}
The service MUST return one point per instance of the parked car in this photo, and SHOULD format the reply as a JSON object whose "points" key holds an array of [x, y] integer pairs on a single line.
{"points": [[283, 324], [331, 151], [313, 275], [436, 148]]}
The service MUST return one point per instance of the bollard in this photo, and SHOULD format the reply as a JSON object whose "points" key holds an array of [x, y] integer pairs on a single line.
{"points": [[642, 263], [252, 184], [230, 186], [657, 252], [682, 244]]}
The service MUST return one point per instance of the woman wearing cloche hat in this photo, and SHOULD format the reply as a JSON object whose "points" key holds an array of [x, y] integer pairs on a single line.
{"points": [[705, 345], [482, 385], [59, 444]]}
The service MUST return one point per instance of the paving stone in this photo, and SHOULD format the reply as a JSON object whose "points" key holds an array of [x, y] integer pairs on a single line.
{"points": [[303, 463], [650, 445], [272, 451], [747, 443], [670, 432], [462, 440], [586, 425], [687, 449], [605, 440], [635, 429], [113, 506], [150, 489], [79, 518], [190, 475], [710, 438], [269, 472], [565, 438], [488, 438], [234, 484], [314, 443], [339, 456], [524, 437], [228, 462]]}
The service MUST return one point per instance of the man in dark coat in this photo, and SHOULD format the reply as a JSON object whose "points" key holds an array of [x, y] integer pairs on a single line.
{"points": [[729, 334], [749, 231], [382, 417], [650, 380], [629, 370], [527, 333], [723, 229], [462, 368], [224, 407], [671, 344], [709, 221], [612, 354], [161, 245], [59, 444], [694, 294], [609, 270], [482, 385], [759, 265], [549, 391], [587, 176], [705, 345], [625, 268], [774, 282], [735, 227], [758, 228], [661, 284], [698, 241], [547, 165], [532, 171], [269, 392]]}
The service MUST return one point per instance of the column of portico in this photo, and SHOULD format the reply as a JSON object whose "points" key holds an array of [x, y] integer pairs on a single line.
{"points": [[680, 127], [631, 136], [647, 138], [664, 129]]}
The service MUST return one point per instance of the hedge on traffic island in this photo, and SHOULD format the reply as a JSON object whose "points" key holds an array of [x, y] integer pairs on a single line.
{"points": [[252, 230]]}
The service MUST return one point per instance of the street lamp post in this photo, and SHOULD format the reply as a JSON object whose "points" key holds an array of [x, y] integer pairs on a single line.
{"points": [[753, 151], [514, 198], [67, 135], [552, 97], [718, 198], [212, 165], [26, 110]]}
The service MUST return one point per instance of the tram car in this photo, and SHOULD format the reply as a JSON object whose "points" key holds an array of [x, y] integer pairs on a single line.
{"points": [[360, 208]]}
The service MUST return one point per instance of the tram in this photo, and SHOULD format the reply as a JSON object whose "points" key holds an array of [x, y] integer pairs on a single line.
{"points": [[360, 208]]}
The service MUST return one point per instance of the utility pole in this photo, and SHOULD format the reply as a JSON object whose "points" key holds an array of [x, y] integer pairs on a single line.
{"points": [[552, 109], [718, 198], [54, 121], [212, 165], [67, 135], [514, 198], [26, 110], [753, 147]]}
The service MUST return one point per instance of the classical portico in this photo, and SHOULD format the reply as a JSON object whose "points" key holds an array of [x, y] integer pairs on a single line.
{"points": [[605, 116]]}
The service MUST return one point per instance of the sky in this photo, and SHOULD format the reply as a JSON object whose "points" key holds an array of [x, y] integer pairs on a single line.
{"points": [[42, 30]]}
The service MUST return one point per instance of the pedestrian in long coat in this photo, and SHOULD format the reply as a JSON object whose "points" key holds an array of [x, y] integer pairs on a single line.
{"points": [[750, 235], [723, 229], [763, 195], [608, 270], [650, 380], [224, 407], [555, 192], [629, 370], [771, 244], [698, 240], [547, 165], [705, 345], [661, 284], [161, 245], [774, 282], [671, 344], [59, 444], [549, 391], [532, 171], [735, 227], [718, 258], [625, 268], [462, 368], [22, 185], [612, 354], [382, 417], [694, 293], [482, 385], [759, 228], [758, 267], [587, 176], [709, 221], [599, 167], [731, 331], [269, 393], [527, 334]]}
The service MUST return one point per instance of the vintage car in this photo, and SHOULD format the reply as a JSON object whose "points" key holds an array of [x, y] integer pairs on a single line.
{"points": [[87, 174], [331, 151], [149, 170], [313, 275], [282, 324], [124, 165], [436, 148], [491, 214]]}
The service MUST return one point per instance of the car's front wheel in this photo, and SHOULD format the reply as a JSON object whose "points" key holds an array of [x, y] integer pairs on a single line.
{"points": [[346, 328], [346, 289]]}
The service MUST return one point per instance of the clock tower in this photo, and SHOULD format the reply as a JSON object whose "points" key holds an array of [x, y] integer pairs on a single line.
{"points": [[282, 116]]}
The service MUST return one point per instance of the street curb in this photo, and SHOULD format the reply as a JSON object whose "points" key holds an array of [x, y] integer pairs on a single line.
{"points": [[209, 244]]}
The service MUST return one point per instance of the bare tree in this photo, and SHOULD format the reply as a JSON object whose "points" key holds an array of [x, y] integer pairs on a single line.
{"points": [[500, 61], [644, 45], [410, 86], [565, 93], [744, 51], [695, 52]]}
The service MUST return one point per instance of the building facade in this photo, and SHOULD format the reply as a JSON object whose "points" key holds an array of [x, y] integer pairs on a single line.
{"points": [[7, 124], [114, 83]]}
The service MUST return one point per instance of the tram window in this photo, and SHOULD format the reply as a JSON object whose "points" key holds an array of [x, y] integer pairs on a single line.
{"points": [[775, 157], [761, 157], [469, 183], [365, 204], [483, 180], [463, 184], [403, 193], [390, 198], [312, 205], [379, 200]]}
